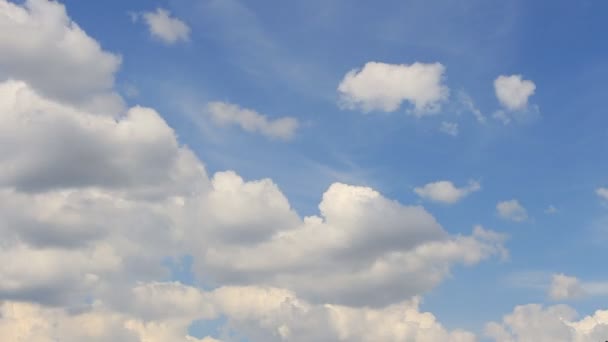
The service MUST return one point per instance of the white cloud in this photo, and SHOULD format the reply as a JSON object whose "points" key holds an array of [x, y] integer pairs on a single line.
{"points": [[533, 322], [551, 210], [446, 192], [384, 87], [512, 210], [93, 206], [166, 28], [224, 113], [602, 193], [449, 128], [42, 46], [513, 92], [564, 287]]}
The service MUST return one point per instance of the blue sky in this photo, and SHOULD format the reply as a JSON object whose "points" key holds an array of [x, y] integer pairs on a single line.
{"points": [[288, 60]]}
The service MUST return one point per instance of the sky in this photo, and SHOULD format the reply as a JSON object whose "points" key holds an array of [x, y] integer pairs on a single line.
{"points": [[230, 170]]}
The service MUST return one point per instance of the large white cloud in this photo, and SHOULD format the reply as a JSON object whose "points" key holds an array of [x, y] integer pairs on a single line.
{"points": [[41, 45], [92, 205], [162, 312], [446, 192], [224, 114], [384, 87], [535, 323]]}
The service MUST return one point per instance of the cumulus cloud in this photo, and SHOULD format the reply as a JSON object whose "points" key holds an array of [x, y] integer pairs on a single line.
{"points": [[534, 322], [512, 210], [564, 287], [446, 191], [42, 46], [259, 313], [165, 27], [513, 92], [249, 120], [384, 87], [93, 205], [449, 128]]}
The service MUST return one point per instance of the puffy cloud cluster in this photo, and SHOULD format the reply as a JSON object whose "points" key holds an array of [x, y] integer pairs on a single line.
{"points": [[533, 322], [384, 87], [161, 312], [95, 198]]}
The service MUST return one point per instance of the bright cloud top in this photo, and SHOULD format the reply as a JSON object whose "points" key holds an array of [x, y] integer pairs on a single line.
{"points": [[384, 87], [251, 121], [534, 322], [512, 210], [166, 28], [513, 92], [446, 191], [41, 45]]}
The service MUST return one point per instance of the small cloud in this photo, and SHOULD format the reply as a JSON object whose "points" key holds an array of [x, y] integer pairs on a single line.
{"points": [[513, 92], [602, 193], [249, 120], [551, 210], [163, 26], [449, 128], [384, 87], [512, 210], [446, 192], [564, 287]]}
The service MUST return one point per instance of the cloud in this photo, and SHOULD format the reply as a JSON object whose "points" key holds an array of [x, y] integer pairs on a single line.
{"points": [[251, 121], [95, 200], [602, 193], [166, 28], [259, 313], [446, 192], [512, 210], [449, 128], [564, 287], [513, 92], [533, 322], [384, 87], [551, 210], [468, 103], [43, 47]]}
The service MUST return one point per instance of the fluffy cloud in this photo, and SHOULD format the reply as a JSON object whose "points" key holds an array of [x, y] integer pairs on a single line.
{"points": [[166, 28], [42, 46], [384, 87], [93, 206], [532, 322], [446, 192], [512, 210], [565, 287], [93, 230], [259, 313], [513, 91], [251, 121]]}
